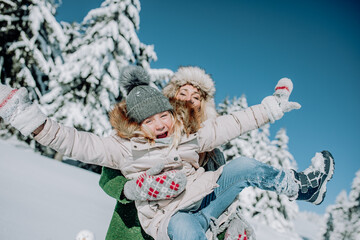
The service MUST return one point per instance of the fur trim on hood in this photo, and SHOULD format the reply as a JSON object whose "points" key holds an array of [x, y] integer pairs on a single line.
{"points": [[199, 79], [127, 128]]}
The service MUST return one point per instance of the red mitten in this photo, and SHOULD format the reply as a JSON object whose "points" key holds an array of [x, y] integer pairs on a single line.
{"points": [[277, 104], [17, 109], [150, 186]]}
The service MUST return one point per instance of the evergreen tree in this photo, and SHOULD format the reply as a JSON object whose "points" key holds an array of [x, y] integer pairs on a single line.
{"points": [[31, 43], [72, 70], [354, 207], [343, 218], [86, 85], [284, 158], [240, 146], [263, 206]]}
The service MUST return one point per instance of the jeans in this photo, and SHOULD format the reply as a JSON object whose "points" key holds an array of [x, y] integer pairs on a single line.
{"points": [[237, 175]]}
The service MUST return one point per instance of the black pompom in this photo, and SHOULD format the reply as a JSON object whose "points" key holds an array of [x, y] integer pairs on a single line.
{"points": [[133, 76]]}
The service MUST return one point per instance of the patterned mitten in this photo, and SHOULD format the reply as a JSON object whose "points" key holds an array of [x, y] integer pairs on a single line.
{"points": [[17, 109], [277, 104], [239, 229], [150, 186]]}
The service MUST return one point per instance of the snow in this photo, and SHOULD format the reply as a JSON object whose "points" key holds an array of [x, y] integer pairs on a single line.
{"points": [[308, 225], [41, 198], [9, 3], [317, 162]]}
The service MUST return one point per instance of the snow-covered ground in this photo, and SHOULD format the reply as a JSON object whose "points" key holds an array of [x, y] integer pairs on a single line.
{"points": [[41, 198], [44, 199]]}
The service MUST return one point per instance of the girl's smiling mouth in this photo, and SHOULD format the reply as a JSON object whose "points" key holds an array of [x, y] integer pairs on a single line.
{"points": [[163, 135]]}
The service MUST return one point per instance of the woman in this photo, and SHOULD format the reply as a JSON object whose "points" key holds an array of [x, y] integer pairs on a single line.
{"points": [[149, 132], [187, 84]]}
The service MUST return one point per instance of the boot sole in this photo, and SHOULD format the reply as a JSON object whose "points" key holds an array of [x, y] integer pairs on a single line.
{"points": [[322, 192]]}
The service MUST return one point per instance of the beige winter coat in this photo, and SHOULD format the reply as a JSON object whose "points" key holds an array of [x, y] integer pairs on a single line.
{"points": [[134, 156]]}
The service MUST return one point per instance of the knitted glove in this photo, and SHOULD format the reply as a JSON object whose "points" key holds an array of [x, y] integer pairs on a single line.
{"points": [[17, 109], [239, 229], [277, 104], [149, 187]]}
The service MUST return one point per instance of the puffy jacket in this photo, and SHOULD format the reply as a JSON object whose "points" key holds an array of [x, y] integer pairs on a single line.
{"points": [[124, 222], [136, 155]]}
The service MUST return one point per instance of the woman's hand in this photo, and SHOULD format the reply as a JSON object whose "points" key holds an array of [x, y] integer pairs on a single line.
{"points": [[277, 104], [17, 109]]}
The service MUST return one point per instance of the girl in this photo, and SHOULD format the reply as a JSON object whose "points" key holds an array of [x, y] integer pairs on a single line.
{"points": [[189, 84], [148, 133]]}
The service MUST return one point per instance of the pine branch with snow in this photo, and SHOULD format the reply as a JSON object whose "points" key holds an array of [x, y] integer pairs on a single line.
{"points": [[343, 217], [30, 49]]}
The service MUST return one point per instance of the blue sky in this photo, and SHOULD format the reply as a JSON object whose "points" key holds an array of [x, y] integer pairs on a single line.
{"points": [[247, 46]]}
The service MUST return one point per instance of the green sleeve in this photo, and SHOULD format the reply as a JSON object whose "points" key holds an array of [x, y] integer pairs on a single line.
{"points": [[112, 182], [125, 224]]}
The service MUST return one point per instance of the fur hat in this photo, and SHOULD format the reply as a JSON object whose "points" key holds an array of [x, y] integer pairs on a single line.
{"points": [[142, 101], [197, 78]]}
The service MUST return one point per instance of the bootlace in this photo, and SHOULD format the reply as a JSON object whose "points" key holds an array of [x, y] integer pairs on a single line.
{"points": [[310, 179]]}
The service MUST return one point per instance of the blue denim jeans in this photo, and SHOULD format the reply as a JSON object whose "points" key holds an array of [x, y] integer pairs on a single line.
{"points": [[237, 175]]}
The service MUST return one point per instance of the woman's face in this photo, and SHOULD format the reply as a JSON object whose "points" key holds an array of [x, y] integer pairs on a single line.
{"points": [[189, 93], [161, 124]]}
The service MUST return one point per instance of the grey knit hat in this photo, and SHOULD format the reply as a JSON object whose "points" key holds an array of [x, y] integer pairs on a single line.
{"points": [[142, 100]]}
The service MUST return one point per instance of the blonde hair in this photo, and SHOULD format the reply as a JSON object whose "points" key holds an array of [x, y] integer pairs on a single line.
{"points": [[203, 95], [202, 112], [177, 127]]}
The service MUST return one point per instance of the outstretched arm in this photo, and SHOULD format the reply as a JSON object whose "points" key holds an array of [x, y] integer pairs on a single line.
{"points": [[17, 110], [221, 130]]}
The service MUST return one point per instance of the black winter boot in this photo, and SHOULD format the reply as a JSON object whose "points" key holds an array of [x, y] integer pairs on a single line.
{"points": [[312, 181]]}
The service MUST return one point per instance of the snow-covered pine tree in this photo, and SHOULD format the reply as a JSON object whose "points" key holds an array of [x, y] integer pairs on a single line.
{"points": [[31, 43], [240, 146], [284, 158], [86, 86], [72, 69], [87, 83], [337, 219], [354, 207], [343, 218], [263, 206]]}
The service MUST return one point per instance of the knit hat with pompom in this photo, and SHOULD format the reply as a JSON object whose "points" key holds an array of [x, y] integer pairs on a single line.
{"points": [[142, 100]]}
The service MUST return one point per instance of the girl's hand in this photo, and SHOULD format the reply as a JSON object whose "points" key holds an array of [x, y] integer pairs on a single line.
{"points": [[17, 109], [277, 104], [150, 186]]}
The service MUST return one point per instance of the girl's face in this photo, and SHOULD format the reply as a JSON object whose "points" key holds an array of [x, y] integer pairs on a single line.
{"points": [[189, 93], [161, 124]]}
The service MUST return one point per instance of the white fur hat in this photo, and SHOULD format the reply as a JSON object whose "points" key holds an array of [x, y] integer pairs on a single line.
{"points": [[199, 79]]}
